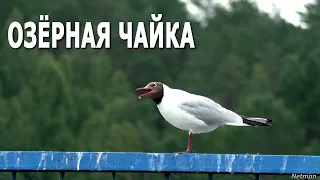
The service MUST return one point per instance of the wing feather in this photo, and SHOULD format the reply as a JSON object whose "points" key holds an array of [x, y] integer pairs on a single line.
{"points": [[209, 111]]}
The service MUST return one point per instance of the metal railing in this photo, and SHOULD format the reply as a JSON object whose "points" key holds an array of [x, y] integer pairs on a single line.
{"points": [[167, 163]]}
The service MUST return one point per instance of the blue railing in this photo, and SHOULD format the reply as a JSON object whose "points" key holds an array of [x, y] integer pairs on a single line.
{"points": [[46, 161]]}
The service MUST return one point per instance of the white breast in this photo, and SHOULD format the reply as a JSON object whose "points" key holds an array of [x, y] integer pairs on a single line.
{"points": [[171, 112]]}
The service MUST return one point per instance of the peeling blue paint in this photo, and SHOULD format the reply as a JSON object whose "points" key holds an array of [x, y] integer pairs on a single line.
{"points": [[284, 164], [158, 162]]}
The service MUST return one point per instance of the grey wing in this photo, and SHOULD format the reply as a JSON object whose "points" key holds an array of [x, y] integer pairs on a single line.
{"points": [[209, 111]]}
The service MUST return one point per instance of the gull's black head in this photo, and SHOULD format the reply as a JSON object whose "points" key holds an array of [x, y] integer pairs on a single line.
{"points": [[154, 90]]}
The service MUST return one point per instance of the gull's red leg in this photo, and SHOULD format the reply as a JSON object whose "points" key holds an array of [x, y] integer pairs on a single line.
{"points": [[189, 147]]}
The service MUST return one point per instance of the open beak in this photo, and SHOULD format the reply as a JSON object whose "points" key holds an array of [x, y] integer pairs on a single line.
{"points": [[145, 89]]}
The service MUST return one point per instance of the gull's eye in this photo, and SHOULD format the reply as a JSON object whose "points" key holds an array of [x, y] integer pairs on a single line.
{"points": [[154, 85]]}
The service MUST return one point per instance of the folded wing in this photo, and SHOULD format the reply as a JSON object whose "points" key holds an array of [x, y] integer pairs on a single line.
{"points": [[210, 112]]}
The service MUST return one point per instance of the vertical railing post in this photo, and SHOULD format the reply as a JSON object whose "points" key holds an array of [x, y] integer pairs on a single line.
{"points": [[62, 174], [113, 176], [14, 175], [257, 177], [210, 176], [166, 176]]}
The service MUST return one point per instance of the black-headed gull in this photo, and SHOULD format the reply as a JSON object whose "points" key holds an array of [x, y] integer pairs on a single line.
{"points": [[194, 113]]}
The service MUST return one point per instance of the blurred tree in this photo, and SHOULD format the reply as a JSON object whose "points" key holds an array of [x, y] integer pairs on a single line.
{"points": [[300, 88]]}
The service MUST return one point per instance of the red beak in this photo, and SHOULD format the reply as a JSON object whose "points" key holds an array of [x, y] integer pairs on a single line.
{"points": [[147, 90]]}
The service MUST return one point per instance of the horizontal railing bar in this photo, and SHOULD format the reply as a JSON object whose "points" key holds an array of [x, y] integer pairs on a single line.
{"points": [[158, 162]]}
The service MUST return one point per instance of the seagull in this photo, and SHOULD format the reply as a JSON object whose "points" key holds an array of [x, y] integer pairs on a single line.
{"points": [[194, 113]]}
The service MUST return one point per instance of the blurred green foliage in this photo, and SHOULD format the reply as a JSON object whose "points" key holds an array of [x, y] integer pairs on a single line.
{"points": [[84, 100]]}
